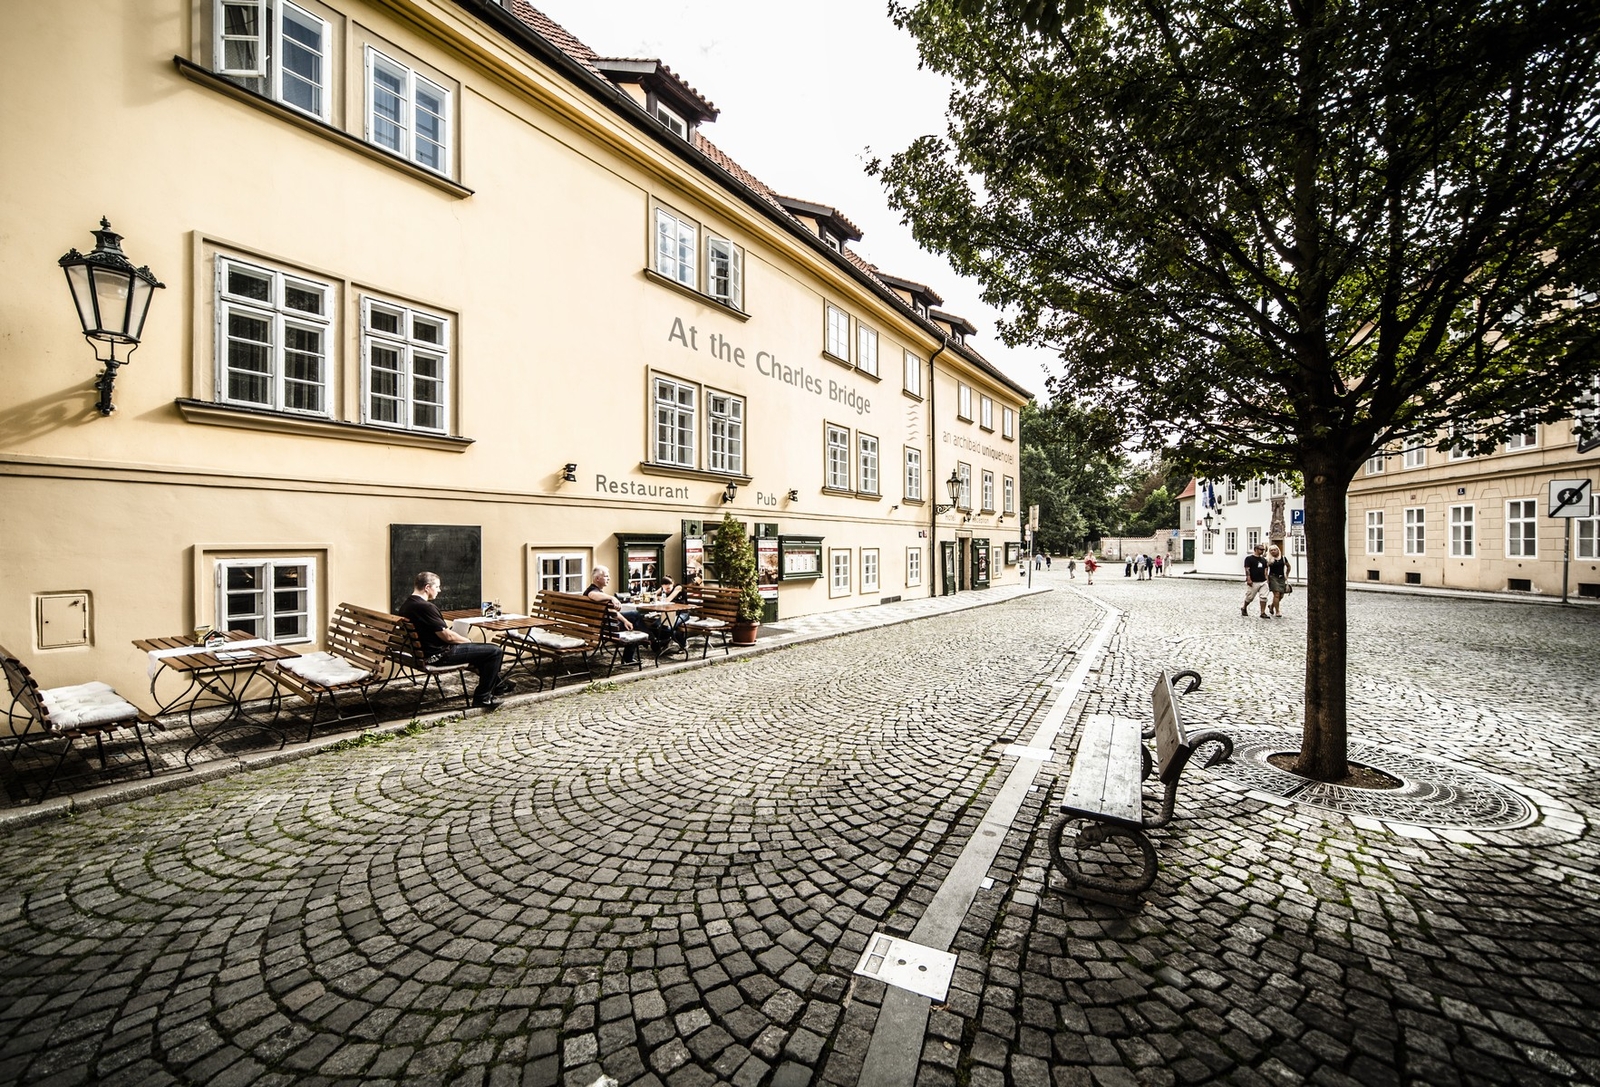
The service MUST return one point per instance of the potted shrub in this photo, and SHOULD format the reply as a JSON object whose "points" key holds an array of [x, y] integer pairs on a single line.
{"points": [[735, 563]]}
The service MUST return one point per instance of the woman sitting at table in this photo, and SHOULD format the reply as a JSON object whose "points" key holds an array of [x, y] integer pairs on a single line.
{"points": [[667, 592]]}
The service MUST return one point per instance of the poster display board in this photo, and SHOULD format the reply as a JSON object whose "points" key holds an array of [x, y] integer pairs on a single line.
{"points": [[980, 564], [694, 550], [799, 558], [639, 561], [767, 573], [1013, 549]]}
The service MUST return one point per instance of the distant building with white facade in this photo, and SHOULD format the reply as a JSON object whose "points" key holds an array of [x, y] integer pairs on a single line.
{"points": [[1230, 519]]}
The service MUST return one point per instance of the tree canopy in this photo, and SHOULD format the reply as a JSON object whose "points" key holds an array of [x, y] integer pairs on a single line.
{"points": [[1278, 235]]}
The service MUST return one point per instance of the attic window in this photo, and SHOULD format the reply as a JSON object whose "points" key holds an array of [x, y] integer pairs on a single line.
{"points": [[672, 122], [833, 243], [922, 311]]}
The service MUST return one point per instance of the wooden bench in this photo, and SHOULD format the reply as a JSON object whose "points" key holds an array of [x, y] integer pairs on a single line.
{"points": [[361, 643], [1106, 789], [39, 715], [577, 626], [719, 610], [408, 663]]}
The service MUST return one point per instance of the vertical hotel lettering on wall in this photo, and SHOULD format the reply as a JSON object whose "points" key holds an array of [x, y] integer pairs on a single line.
{"points": [[767, 365]]}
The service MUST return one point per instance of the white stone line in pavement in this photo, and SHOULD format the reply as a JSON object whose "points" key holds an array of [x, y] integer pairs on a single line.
{"points": [[896, 1044]]}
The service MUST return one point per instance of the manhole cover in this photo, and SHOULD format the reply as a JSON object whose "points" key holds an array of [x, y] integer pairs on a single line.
{"points": [[1433, 793]]}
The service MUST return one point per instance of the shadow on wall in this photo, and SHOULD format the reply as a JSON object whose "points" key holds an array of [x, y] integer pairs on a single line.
{"points": [[72, 406]]}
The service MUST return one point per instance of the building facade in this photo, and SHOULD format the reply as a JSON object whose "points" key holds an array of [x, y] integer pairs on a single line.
{"points": [[1231, 518], [1425, 516], [444, 288]]}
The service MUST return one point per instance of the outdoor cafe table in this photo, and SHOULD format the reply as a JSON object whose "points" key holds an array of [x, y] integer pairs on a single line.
{"points": [[672, 616], [465, 621], [218, 678]]}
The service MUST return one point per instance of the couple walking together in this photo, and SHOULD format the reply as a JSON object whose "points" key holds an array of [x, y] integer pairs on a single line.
{"points": [[1264, 577]]}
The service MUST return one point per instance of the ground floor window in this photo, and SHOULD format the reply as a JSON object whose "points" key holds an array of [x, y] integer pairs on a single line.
{"points": [[1374, 532], [1522, 528], [562, 572], [1252, 538], [1230, 541], [1205, 542], [1416, 538], [1461, 530], [839, 571], [1588, 532], [271, 599], [913, 566], [869, 569]]}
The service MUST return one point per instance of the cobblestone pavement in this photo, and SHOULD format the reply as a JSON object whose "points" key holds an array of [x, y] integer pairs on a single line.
{"points": [[671, 880]]}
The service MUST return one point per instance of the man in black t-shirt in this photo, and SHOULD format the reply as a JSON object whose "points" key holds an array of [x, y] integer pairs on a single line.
{"points": [[442, 645], [1255, 580]]}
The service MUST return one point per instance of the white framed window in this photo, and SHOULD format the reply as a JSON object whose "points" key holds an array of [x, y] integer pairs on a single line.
{"points": [[675, 239], [1522, 528], [1252, 538], [913, 567], [268, 598], [964, 495], [1010, 495], [675, 406], [1375, 465], [866, 350], [1008, 424], [1205, 542], [724, 271], [672, 122], [838, 457], [405, 363], [913, 375], [1458, 451], [913, 474], [1230, 493], [1416, 542], [563, 571], [964, 402], [836, 334], [869, 569], [724, 432], [1415, 455], [1253, 490], [867, 461], [839, 571], [988, 492], [1526, 439], [407, 112], [274, 330], [1587, 530], [278, 49], [985, 413], [1462, 523], [1374, 532], [1230, 541]]}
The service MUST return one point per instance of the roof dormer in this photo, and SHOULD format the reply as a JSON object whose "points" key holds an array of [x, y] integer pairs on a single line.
{"points": [[827, 223], [920, 296], [661, 92], [957, 328]]}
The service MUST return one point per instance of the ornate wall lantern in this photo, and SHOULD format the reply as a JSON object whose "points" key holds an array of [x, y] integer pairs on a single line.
{"points": [[113, 299]]}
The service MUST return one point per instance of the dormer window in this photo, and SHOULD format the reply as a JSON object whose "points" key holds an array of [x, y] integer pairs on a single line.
{"points": [[833, 243], [672, 122], [922, 311]]}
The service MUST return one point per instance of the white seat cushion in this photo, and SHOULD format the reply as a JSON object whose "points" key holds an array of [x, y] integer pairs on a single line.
{"points": [[548, 640], [86, 704], [325, 669], [629, 637], [706, 623]]}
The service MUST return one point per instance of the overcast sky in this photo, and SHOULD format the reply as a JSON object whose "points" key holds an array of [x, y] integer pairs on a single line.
{"points": [[807, 94]]}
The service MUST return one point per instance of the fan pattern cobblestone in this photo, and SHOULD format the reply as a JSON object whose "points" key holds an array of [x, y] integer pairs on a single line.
{"points": [[670, 881]]}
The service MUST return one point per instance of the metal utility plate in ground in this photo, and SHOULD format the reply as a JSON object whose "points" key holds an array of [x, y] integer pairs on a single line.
{"points": [[1020, 751], [925, 971]]}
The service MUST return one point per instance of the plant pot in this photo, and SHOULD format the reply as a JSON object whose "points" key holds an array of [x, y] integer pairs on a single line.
{"points": [[744, 631]]}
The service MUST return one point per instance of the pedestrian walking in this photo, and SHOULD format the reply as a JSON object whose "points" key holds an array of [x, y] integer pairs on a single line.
{"points": [[1072, 568], [1127, 567], [1158, 566], [1089, 566], [1277, 579], [1047, 560], [1255, 580]]}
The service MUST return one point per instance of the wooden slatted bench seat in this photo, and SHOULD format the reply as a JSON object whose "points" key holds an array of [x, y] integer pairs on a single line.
{"points": [[577, 623], [719, 610], [408, 663], [38, 715], [360, 647], [1106, 790]]}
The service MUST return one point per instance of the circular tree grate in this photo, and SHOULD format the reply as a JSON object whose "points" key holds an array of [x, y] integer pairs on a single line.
{"points": [[1432, 793]]}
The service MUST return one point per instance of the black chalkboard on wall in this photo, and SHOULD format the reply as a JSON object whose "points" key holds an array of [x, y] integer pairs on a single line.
{"points": [[454, 552]]}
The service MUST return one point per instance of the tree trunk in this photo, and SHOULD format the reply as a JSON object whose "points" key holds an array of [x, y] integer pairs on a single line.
{"points": [[1323, 746]]}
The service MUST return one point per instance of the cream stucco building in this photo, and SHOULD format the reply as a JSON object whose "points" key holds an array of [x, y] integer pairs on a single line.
{"points": [[443, 287]]}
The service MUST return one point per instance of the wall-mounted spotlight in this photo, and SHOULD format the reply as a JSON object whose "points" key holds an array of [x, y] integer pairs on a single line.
{"points": [[569, 472], [729, 493], [113, 299], [894, 507], [794, 494]]}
